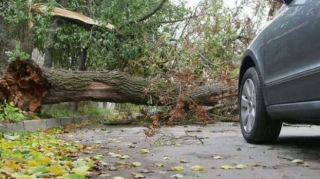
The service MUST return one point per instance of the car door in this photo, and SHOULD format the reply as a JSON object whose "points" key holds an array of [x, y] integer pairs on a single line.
{"points": [[292, 54]]}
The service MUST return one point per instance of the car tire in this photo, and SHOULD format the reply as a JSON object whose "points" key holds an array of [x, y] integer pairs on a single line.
{"points": [[252, 109]]}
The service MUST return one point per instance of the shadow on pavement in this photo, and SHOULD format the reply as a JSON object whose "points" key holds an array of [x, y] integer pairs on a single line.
{"points": [[312, 142]]}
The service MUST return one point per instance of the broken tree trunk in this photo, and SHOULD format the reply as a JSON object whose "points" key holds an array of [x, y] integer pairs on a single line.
{"points": [[29, 86]]}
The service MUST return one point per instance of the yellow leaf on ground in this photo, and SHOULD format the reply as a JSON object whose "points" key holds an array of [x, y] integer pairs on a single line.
{"points": [[136, 164], [136, 175], [177, 176], [241, 166], [56, 170], [144, 151], [217, 157], [298, 161], [177, 168], [197, 168], [159, 164], [32, 163], [227, 167], [83, 170]]}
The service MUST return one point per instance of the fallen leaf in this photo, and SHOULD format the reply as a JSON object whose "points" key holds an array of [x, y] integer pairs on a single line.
{"points": [[98, 157], [145, 171], [136, 164], [133, 146], [124, 157], [40, 169], [227, 167], [83, 170], [298, 161], [144, 151], [137, 175], [305, 165], [104, 163], [79, 163], [116, 156], [177, 168], [113, 168], [56, 170], [166, 158], [118, 177], [217, 157], [88, 152], [120, 163], [197, 168], [159, 164], [241, 166], [177, 176], [74, 176], [184, 161], [254, 165], [105, 175]]}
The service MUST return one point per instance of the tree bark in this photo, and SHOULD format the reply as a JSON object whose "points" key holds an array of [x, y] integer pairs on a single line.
{"points": [[29, 86], [52, 37]]}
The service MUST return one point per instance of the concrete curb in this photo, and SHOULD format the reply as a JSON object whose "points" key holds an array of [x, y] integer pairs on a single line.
{"points": [[34, 125]]}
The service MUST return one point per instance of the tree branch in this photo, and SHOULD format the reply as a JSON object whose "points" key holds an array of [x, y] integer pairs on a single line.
{"points": [[145, 17], [178, 20]]}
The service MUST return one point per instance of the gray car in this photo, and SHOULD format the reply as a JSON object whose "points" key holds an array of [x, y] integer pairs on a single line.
{"points": [[279, 78]]}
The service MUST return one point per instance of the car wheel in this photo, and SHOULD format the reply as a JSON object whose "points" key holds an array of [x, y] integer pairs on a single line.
{"points": [[256, 126]]}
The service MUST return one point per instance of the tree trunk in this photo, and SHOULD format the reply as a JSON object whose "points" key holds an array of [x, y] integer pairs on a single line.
{"points": [[73, 106], [29, 86], [52, 37], [26, 33]]}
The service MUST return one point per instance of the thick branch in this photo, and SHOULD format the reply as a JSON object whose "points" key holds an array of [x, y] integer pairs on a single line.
{"points": [[74, 17]]}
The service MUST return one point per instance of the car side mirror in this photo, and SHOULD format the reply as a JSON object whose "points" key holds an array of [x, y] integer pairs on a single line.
{"points": [[287, 2]]}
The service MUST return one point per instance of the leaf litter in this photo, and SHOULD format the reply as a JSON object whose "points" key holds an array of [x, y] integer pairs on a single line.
{"points": [[43, 155]]}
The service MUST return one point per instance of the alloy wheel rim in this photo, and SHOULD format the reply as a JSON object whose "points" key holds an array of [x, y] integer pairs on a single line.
{"points": [[248, 105]]}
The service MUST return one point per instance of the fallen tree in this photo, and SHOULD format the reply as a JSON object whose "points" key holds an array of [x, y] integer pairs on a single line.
{"points": [[29, 86]]}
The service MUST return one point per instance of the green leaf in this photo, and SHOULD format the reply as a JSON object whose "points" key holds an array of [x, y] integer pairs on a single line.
{"points": [[40, 169], [75, 176], [98, 157]]}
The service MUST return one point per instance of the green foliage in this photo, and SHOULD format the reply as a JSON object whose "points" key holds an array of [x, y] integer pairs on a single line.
{"points": [[9, 113], [61, 110], [13, 55]]}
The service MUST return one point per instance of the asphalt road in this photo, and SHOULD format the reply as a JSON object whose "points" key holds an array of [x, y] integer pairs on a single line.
{"points": [[224, 140]]}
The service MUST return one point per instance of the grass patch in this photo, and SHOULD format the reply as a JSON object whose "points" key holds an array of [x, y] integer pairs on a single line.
{"points": [[62, 110]]}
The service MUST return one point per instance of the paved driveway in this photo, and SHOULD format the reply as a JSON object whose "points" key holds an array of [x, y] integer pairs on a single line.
{"points": [[224, 140]]}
